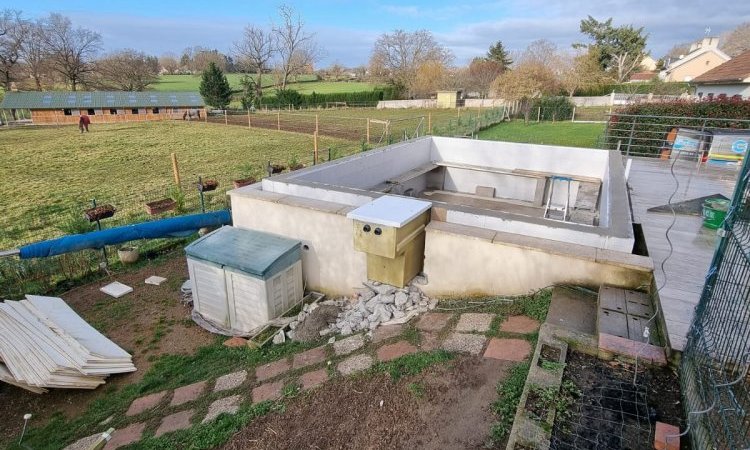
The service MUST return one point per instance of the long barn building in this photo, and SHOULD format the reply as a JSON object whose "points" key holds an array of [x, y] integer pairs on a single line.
{"points": [[63, 107]]}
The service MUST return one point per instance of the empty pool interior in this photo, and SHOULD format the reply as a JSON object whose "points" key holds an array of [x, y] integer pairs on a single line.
{"points": [[493, 185]]}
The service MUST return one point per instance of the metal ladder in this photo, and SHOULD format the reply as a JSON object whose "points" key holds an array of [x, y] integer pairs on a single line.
{"points": [[549, 207]]}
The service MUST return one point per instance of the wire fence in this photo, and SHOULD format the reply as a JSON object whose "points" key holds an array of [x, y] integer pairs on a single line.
{"points": [[715, 362]]}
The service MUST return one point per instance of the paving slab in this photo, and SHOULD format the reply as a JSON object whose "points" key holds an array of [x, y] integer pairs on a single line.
{"points": [[83, 443], [174, 422], [465, 343], [433, 321], [310, 357], [228, 405], [354, 364], [508, 349], [572, 310], [348, 345], [268, 391], [385, 332], [272, 370], [313, 379], [429, 341], [396, 350], [187, 393], [478, 322], [660, 437], [519, 325], [230, 381], [125, 436], [145, 403]]}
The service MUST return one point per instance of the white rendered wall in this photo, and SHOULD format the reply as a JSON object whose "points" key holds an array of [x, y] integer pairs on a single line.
{"points": [[506, 186]]}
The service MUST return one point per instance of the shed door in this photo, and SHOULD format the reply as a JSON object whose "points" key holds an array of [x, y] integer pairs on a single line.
{"points": [[209, 292], [247, 301]]}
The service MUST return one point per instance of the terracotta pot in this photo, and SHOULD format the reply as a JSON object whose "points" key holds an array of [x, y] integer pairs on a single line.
{"points": [[243, 182], [128, 255], [99, 213], [160, 206]]}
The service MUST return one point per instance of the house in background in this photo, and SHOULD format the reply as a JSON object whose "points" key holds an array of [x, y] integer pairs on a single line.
{"points": [[703, 56], [63, 107], [648, 64], [729, 80], [643, 77]]}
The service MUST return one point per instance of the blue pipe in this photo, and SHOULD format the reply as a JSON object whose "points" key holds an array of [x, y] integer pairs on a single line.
{"points": [[173, 227]]}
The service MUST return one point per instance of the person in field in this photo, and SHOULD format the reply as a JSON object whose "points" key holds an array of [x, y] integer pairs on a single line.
{"points": [[83, 123]]}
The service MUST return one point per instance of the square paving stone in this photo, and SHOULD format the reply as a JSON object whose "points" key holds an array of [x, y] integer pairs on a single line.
{"points": [[230, 381], [348, 345], [354, 364], [83, 443], [174, 422], [268, 391], [429, 341], [479, 322], [273, 369], [187, 393], [396, 350], [465, 343], [124, 436], [313, 379], [310, 357], [229, 405], [145, 403], [433, 321], [519, 324], [385, 332], [508, 349]]}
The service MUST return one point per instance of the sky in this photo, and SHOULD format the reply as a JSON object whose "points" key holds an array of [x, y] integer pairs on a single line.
{"points": [[346, 30]]}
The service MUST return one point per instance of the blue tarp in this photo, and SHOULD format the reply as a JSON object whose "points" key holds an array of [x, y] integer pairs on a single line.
{"points": [[172, 227]]}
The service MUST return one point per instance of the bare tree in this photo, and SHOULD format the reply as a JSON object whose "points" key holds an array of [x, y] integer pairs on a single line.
{"points": [[35, 58], [482, 72], [581, 71], [737, 41], [255, 51], [297, 49], [203, 57], [397, 56], [169, 63], [71, 50], [336, 71], [13, 31], [125, 70]]}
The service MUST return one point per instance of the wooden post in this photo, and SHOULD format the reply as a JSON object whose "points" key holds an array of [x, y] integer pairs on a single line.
{"points": [[316, 124], [278, 120], [205, 116], [538, 114], [368, 131], [57, 122], [175, 170], [226, 122], [429, 123], [315, 151], [573, 117], [248, 118]]}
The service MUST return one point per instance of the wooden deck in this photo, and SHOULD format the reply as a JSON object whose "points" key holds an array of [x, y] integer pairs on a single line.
{"points": [[651, 184]]}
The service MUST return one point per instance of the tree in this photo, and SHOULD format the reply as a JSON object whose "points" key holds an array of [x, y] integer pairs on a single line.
{"points": [[203, 57], [397, 56], [35, 58], [13, 31], [255, 51], [125, 70], [430, 77], [214, 87], [581, 71], [621, 49], [482, 72], [71, 50], [297, 49], [737, 41], [248, 95], [169, 63], [498, 54], [336, 71]]}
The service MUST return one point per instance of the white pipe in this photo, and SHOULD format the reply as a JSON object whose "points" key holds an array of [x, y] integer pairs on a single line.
{"points": [[13, 252]]}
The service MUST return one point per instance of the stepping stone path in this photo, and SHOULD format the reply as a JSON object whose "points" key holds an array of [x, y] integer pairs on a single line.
{"points": [[187, 393], [145, 403], [348, 345], [392, 351], [228, 405], [354, 364], [273, 369], [83, 443], [230, 381], [268, 391], [508, 349], [479, 322], [433, 321], [519, 324], [313, 379], [174, 422], [310, 357], [429, 342], [465, 343], [385, 332], [125, 436]]}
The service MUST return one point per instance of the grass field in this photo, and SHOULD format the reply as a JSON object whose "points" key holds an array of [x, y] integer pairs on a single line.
{"points": [[305, 84], [551, 133]]}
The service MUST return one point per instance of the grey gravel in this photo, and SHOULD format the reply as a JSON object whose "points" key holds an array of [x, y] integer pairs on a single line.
{"points": [[230, 381], [348, 345], [354, 364], [229, 405], [465, 343], [469, 322]]}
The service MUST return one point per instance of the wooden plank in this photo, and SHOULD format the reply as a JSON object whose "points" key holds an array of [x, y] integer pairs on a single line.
{"points": [[612, 322], [612, 299]]}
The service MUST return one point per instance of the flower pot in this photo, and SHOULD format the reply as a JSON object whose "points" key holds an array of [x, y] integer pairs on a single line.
{"points": [[277, 168], [208, 185], [128, 255], [297, 166], [243, 182], [160, 206], [100, 212]]}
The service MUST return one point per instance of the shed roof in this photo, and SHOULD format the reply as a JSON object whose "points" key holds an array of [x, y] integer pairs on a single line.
{"points": [[99, 99], [253, 252], [734, 70]]}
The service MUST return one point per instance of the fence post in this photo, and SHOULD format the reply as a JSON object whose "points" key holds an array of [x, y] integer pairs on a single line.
{"points": [[176, 170], [316, 124], [538, 114], [248, 118], [278, 120], [630, 138], [429, 123], [315, 151], [573, 117], [368, 131], [226, 122]]}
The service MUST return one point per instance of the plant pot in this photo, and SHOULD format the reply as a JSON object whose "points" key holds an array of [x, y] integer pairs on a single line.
{"points": [[243, 182], [665, 152], [297, 166], [208, 185], [160, 206], [277, 168], [100, 212], [128, 255]]}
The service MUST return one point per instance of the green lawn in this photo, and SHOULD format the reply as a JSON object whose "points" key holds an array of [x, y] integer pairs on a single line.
{"points": [[551, 133], [305, 84]]}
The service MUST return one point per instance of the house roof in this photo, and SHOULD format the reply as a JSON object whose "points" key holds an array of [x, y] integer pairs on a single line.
{"points": [[737, 69], [643, 76], [99, 99], [691, 56]]}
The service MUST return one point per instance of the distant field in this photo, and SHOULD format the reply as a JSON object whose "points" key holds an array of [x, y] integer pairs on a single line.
{"points": [[550, 133], [305, 84]]}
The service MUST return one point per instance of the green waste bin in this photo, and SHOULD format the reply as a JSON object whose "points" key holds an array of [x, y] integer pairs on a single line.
{"points": [[714, 212]]}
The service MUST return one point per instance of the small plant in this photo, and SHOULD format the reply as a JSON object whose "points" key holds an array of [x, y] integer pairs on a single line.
{"points": [[247, 170], [417, 389], [552, 366], [537, 305], [413, 364], [75, 224], [176, 194], [509, 393], [364, 147]]}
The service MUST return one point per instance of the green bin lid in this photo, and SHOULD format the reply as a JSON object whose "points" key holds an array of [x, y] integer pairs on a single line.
{"points": [[254, 252]]}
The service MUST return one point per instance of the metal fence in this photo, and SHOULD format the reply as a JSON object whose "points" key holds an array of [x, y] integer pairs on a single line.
{"points": [[714, 364]]}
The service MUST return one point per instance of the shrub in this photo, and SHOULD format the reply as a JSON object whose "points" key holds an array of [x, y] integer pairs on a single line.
{"points": [[553, 108], [291, 97]]}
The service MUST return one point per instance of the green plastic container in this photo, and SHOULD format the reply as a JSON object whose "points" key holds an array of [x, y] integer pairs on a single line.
{"points": [[714, 212]]}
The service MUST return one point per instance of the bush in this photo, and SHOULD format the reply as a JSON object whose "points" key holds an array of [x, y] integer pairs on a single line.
{"points": [[291, 97], [659, 87], [553, 108]]}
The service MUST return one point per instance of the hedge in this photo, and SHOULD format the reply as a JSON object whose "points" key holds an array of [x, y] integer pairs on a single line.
{"points": [[553, 108], [659, 88], [288, 97]]}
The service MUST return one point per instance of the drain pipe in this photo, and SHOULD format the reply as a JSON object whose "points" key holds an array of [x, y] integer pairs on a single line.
{"points": [[13, 252]]}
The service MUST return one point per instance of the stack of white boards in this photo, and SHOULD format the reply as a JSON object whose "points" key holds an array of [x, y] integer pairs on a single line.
{"points": [[45, 344]]}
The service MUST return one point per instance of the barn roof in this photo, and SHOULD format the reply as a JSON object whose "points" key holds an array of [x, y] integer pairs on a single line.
{"points": [[99, 99]]}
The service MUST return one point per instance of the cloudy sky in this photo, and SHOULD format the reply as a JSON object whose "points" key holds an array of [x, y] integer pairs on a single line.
{"points": [[347, 29]]}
